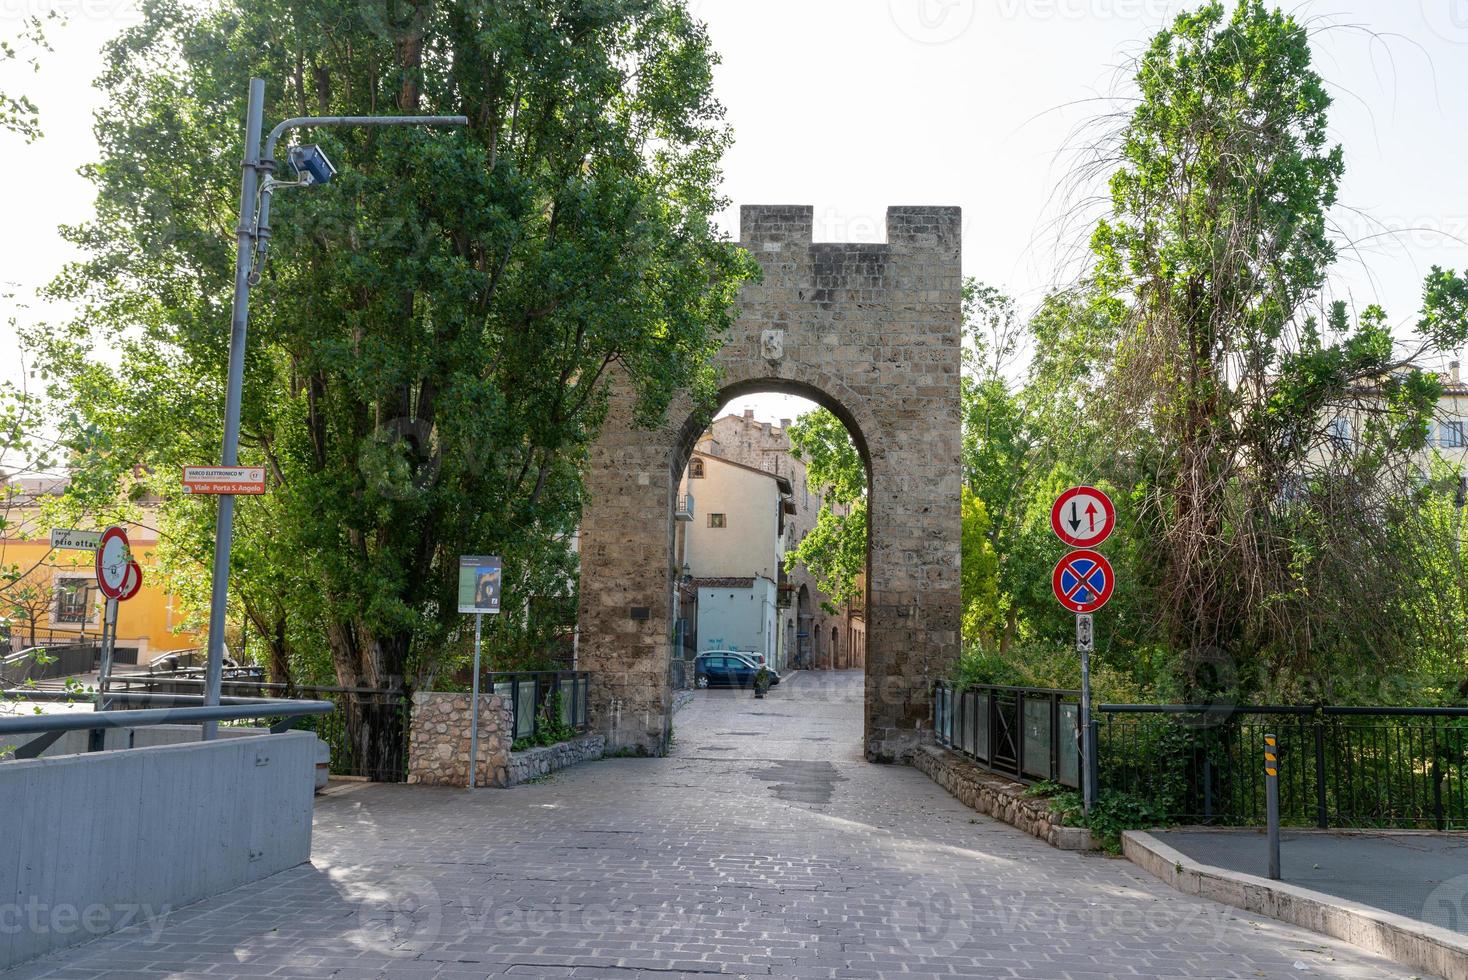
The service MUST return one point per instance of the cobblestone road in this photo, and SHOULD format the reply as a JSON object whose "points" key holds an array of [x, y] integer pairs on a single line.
{"points": [[764, 847]]}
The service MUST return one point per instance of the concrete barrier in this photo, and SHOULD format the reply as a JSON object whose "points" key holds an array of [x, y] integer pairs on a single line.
{"points": [[1412, 943], [72, 743], [104, 840]]}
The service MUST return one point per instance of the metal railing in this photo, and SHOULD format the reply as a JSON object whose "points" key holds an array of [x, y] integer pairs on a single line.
{"points": [[540, 697], [166, 709], [1031, 734], [1338, 766], [680, 672], [48, 662], [683, 510], [388, 710]]}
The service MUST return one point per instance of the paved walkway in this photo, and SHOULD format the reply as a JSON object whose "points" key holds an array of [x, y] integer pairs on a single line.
{"points": [[765, 847], [1420, 875]]}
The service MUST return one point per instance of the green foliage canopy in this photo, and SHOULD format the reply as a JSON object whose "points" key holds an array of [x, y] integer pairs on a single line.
{"points": [[432, 340]]}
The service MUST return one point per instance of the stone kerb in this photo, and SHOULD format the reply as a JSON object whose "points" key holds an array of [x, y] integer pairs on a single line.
{"points": [[438, 740]]}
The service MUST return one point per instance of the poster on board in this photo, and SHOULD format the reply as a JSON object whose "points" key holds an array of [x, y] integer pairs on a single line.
{"points": [[479, 584]]}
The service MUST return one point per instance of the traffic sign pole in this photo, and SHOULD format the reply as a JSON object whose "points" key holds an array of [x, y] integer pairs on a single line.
{"points": [[1084, 517], [474, 706], [96, 737], [1085, 643]]}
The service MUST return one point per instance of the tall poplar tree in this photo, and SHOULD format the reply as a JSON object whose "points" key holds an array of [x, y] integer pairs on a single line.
{"points": [[432, 338]]}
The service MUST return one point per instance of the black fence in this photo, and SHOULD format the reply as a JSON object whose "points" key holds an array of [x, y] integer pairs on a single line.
{"points": [[380, 752], [541, 699], [1338, 766], [57, 661], [1028, 733]]}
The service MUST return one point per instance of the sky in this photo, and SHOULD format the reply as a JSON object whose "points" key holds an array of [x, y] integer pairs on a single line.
{"points": [[854, 105]]}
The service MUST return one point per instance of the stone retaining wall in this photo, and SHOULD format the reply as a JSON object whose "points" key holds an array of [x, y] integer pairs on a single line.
{"points": [[438, 740], [438, 744], [1001, 798], [546, 759]]}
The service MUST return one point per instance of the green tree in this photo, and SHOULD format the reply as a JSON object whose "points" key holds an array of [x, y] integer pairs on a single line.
{"points": [[835, 550], [1230, 372], [18, 114], [979, 578], [432, 341]]}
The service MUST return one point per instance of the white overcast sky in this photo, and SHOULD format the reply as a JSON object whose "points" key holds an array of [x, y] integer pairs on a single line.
{"points": [[854, 105]]}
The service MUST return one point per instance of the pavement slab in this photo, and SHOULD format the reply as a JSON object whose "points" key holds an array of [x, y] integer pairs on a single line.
{"points": [[763, 846]]}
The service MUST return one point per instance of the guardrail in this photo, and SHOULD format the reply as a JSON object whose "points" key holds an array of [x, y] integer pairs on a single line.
{"points": [[390, 763], [537, 697], [1339, 766], [1030, 734], [181, 709]]}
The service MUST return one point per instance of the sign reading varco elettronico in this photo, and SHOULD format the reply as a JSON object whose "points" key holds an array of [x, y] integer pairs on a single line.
{"points": [[224, 479]]}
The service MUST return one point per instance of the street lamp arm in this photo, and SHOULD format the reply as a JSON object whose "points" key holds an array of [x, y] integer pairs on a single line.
{"points": [[267, 164], [300, 122]]}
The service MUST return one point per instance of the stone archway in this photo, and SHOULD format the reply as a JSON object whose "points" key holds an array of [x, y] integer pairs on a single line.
{"points": [[871, 332]]}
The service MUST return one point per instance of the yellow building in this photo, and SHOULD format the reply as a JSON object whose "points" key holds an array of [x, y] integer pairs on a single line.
{"points": [[54, 598]]}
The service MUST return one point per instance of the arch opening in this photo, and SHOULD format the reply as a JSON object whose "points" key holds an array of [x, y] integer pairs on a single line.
{"points": [[744, 586]]}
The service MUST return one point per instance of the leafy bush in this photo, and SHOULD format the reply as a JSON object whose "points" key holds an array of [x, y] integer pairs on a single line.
{"points": [[1112, 813], [549, 730]]}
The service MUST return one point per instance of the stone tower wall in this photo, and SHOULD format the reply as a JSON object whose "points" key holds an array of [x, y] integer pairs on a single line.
{"points": [[873, 333]]}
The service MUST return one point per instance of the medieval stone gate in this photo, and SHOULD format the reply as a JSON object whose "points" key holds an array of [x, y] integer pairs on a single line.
{"points": [[871, 332]]}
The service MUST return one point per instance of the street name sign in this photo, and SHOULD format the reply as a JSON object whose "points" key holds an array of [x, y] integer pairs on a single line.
{"points": [[1083, 517], [224, 479], [1083, 581], [65, 537]]}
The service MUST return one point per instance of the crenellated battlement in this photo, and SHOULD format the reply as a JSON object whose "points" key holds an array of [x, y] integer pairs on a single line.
{"points": [[908, 226]]}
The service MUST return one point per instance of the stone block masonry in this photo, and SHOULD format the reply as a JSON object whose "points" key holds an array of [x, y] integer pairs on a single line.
{"points": [[1003, 799], [438, 744], [546, 759], [872, 332], [438, 740]]}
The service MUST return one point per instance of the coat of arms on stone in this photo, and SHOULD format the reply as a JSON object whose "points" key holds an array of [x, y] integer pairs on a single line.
{"points": [[772, 344]]}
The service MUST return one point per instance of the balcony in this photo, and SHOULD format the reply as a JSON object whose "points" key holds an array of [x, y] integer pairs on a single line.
{"points": [[683, 510]]}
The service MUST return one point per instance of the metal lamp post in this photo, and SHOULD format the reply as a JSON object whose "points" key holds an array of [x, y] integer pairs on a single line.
{"points": [[252, 238]]}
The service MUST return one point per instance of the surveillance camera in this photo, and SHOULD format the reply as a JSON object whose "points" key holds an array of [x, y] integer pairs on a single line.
{"points": [[311, 164]]}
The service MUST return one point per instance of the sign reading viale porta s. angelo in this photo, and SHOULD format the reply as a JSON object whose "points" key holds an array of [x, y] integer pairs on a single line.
{"points": [[224, 479]]}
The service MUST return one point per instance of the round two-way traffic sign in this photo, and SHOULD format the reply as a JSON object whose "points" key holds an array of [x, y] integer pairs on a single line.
{"points": [[113, 561], [1083, 517], [1083, 581]]}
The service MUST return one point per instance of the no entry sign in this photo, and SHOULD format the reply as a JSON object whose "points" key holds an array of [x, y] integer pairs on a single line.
{"points": [[1083, 581], [113, 561], [1083, 517]]}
